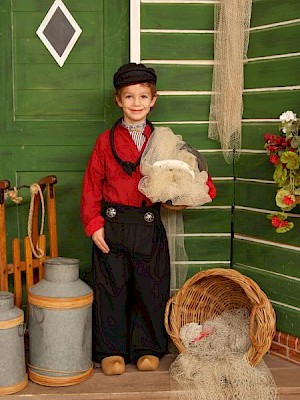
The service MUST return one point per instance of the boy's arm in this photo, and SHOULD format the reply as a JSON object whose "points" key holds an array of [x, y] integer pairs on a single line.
{"points": [[99, 239], [91, 197]]}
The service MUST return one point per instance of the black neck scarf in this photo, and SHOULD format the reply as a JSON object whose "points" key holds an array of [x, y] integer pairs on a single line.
{"points": [[128, 166]]}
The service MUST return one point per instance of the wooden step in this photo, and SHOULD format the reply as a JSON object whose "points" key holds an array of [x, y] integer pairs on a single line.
{"points": [[155, 385], [286, 376]]}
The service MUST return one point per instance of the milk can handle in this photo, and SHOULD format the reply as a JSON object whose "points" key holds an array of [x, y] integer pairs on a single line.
{"points": [[37, 314], [22, 329]]}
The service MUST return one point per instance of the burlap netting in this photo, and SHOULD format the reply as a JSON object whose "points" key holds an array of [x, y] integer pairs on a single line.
{"points": [[232, 22], [213, 365], [176, 173], [172, 172], [222, 323], [213, 291]]}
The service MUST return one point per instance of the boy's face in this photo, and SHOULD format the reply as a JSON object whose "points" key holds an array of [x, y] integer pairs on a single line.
{"points": [[136, 101]]}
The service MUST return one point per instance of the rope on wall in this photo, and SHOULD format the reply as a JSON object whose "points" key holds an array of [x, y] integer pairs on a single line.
{"points": [[35, 189], [232, 22], [13, 195]]}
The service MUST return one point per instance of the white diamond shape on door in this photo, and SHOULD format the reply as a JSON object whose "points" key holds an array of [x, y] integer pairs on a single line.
{"points": [[59, 32]]}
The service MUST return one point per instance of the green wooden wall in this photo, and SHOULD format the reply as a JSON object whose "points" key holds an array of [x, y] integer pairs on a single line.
{"points": [[50, 118], [177, 40], [271, 259]]}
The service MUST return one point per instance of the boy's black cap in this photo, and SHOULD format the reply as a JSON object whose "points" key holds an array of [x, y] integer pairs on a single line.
{"points": [[132, 73]]}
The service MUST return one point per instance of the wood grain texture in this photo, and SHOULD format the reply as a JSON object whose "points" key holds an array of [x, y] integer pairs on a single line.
{"points": [[194, 269], [48, 77], [207, 220], [58, 144], [194, 134], [270, 104], [150, 385], [257, 225], [26, 23], [256, 195], [282, 39], [87, 49], [273, 285], [192, 46], [53, 104], [267, 257], [72, 5], [253, 134], [280, 290], [207, 248], [272, 11], [225, 193], [288, 319], [254, 166], [46, 143], [188, 108], [177, 16], [183, 77], [272, 73]]}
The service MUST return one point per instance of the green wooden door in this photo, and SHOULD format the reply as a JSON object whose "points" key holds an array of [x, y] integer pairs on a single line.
{"points": [[50, 116]]}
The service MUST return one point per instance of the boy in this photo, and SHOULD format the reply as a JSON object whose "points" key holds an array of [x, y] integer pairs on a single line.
{"points": [[131, 265]]}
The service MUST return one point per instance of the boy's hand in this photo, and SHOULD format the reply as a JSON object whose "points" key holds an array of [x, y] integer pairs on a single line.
{"points": [[98, 238]]}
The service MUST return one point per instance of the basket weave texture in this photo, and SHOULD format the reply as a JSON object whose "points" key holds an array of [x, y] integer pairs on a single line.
{"points": [[211, 292]]}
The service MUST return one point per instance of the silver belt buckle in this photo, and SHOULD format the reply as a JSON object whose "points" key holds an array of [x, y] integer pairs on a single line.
{"points": [[111, 212], [149, 217]]}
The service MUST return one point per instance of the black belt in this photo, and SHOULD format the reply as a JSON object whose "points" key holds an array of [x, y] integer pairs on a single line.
{"points": [[113, 212]]}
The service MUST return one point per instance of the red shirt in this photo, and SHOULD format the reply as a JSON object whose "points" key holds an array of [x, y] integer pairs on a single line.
{"points": [[105, 179]]}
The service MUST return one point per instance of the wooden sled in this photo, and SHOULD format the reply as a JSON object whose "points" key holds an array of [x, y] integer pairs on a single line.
{"points": [[33, 266]]}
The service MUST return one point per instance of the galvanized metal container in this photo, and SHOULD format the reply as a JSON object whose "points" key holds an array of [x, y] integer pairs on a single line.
{"points": [[13, 377], [60, 326]]}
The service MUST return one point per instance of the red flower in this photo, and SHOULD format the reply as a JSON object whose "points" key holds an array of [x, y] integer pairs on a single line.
{"points": [[282, 141], [278, 223], [274, 159], [270, 137], [288, 200], [272, 149]]}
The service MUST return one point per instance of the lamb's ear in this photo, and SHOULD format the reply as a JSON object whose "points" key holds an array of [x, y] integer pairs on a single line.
{"points": [[172, 165], [202, 164]]}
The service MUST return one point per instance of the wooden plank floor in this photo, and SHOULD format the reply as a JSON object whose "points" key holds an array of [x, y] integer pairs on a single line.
{"points": [[154, 385]]}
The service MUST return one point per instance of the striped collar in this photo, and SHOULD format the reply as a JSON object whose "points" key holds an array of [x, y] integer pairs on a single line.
{"points": [[138, 128]]}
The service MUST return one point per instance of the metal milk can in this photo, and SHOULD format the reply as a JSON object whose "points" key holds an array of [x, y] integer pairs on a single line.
{"points": [[60, 326], [13, 377]]}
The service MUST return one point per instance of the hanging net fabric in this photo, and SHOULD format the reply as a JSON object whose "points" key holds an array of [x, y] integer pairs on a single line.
{"points": [[174, 225], [232, 22], [214, 366], [175, 173], [172, 171]]}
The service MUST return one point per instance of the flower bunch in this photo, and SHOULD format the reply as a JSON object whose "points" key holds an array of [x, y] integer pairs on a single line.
{"points": [[284, 154], [279, 221]]}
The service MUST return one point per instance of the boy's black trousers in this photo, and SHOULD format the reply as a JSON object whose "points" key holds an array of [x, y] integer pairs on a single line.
{"points": [[131, 284]]}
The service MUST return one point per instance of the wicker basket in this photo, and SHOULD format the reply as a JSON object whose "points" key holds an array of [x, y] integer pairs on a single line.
{"points": [[211, 292]]}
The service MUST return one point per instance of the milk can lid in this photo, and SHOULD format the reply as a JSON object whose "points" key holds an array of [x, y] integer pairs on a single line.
{"points": [[6, 295], [7, 308], [61, 261]]}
